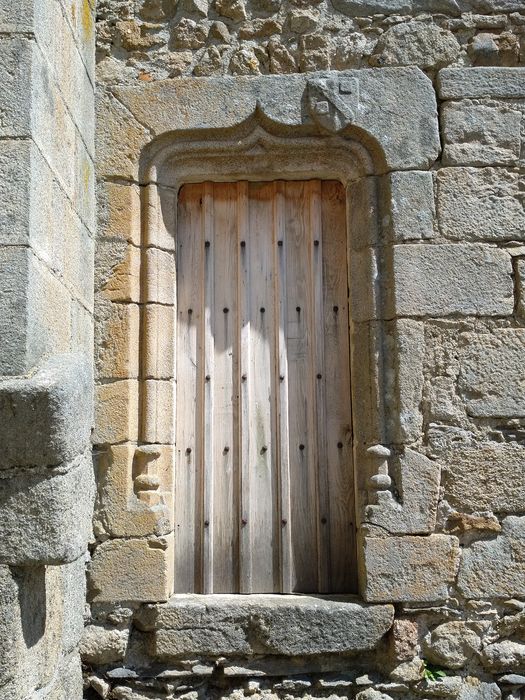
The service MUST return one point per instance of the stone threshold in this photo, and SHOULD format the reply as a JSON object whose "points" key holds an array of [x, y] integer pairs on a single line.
{"points": [[270, 624]]}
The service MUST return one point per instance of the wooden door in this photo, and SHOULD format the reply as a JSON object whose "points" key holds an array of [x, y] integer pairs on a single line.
{"points": [[264, 498]]}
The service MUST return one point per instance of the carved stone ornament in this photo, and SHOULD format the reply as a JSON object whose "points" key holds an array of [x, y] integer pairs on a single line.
{"points": [[333, 102]]}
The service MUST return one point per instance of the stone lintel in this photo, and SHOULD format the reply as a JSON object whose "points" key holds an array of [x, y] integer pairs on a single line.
{"points": [[283, 625], [395, 106]]}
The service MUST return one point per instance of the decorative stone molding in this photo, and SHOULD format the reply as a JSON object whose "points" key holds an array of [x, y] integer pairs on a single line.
{"points": [[162, 135]]}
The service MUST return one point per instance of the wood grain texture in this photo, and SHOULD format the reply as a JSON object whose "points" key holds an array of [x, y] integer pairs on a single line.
{"points": [[264, 477]]}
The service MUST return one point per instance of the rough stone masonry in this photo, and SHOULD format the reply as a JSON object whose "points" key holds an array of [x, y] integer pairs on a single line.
{"points": [[417, 107]]}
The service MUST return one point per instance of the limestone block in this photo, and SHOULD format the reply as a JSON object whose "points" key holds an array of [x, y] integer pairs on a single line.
{"points": [[79, 259], [15, 190], [495, 568], [418, 480], [453, 644], [16, 58], [158, 341], [363, 214], [34, 311], [158, 411], [406, 347], [487, 476], [409, 568], [120, 512], [103, 645], [439, 280], [117, 340], [491, 373], [46, 515], [46, 420], [131, 570], [364, 285], [30, 639], [120, 139], [263, 624], [53, 22], [84, 193], [477, 134], [412, 206], [407, 143], [73, 593], [505, 655], [116, 412], [454, 83], [159, 277], [480, 204], [119, 211], [52, 127], [117, 274], [416, 43], [161, 217]]}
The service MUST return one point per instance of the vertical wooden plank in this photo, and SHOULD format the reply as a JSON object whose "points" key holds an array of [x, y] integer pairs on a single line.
{"points": [[207, 437], [318, 323], [261, 457], [337, 387], [188, 400], [283, 446], [225, 403], [301, 390], [244, 333]]}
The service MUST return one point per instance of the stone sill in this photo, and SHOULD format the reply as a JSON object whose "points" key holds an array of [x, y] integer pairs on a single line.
{"points": [[262, 624]]}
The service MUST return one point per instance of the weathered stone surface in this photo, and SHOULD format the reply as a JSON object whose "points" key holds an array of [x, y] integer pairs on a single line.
{"points": [[44, 519], [409, 568], [101, 645], [371, 694], [491, 373], [403, 640], [224, 102], [453, 644], [416, 43], [120, 512], [46, 420], [495, 568], [281, 625], [417, 483], [412, 206], [365, 8], [505, 655], [477, 134], [486, 476], [406, 346], [440, 280], [116, 340], [474, 689], [480, 204], [131, 570], [455, 83], [73, 595], [116, 412], [34, 311]]}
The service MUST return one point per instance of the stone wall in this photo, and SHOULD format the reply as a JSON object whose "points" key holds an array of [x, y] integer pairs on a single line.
{"points": [[438, 299], [47, 229], [439, 291], [155, 39]]}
